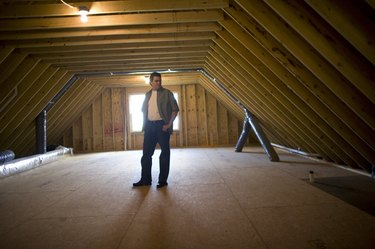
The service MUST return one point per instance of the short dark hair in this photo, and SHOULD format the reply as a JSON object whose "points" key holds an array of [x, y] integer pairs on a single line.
{"points": [[154, 74]]}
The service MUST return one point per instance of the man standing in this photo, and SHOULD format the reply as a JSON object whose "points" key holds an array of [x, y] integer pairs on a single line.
{"points": [[159, 111]]}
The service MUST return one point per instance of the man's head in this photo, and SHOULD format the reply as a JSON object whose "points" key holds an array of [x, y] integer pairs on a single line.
{"points": [[155, 80]]}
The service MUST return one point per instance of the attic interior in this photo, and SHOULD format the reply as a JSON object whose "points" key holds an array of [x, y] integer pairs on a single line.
{"points": [[303, 68]]}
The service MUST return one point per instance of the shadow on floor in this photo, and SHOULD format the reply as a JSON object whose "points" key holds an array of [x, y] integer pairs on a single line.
{"points": [[358, 191]]}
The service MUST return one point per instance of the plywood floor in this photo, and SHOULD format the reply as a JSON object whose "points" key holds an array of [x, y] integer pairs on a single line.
{"points": [[216, 198]]}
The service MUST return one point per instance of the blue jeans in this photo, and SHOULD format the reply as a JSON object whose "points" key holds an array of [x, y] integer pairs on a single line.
{"points": [[154, 134]]}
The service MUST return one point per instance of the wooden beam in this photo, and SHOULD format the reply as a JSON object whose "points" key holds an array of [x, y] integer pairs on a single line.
{"points": [[107, 7], [110, 40], [338, 84], [38, 103], [117, 46], [325, 102], [271, 90], [62, 56], [4, 53], [8, 87], [111, 20], [10, 64], [111, 31], [351, 22], [21, 106], [277, 69], [155, 56], [140, 66], [22, 88], [330, 44], [263, 104]]}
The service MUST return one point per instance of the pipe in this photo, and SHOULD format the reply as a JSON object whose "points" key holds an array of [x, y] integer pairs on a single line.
{"points": [[299, 152], [41, 133], [95, 74], [6, 156], [66, 87], [27, 163], [244, 135], [271, 153]]}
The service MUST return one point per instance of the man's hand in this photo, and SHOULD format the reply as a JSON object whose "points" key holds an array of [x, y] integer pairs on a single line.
{"points": [[166, 127]]}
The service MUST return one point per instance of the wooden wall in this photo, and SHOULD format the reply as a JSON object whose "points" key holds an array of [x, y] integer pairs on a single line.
{"points": [[104, 125]]}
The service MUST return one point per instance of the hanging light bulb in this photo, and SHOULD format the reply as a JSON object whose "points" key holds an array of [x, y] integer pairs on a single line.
{"points": [[83, 11]]}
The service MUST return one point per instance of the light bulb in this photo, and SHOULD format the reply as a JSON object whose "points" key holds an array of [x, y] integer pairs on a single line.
{"points": [[83, 11]]}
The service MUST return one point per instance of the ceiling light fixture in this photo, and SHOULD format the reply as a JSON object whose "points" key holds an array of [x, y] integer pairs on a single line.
{"points": [[83, 11]]}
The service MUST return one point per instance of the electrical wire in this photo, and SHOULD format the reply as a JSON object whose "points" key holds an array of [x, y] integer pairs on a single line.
{"points": [[67, 4]]}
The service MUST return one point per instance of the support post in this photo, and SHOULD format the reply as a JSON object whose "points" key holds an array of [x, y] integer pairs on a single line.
{"points": [[41, 133]]}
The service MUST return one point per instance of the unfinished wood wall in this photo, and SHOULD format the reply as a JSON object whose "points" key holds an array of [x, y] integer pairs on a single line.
{"points": [[104, 125]]}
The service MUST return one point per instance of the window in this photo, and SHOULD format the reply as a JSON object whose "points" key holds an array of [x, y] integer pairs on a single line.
{"points": [[136, 115]]}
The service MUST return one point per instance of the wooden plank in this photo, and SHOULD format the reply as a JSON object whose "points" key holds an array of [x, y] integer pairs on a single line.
{"points": [[112, 20], [112, 31], [201, 116], [78, 136], [64, 109], [87, 130], [97, 123], [33, 106], [269, 87], [266, 110], [86, 48], [107, 119], [212, 119], [27, 90], [318, 88], [10, 65], [108, 7], [76, 109], [254, 100], [118, 116], [183, 115], [156, 50], [222, 116], [112, 40], [67, 139], [352, 23], [191, 111], [4, 53], [233, 129], [322, 70], [329, 43]]}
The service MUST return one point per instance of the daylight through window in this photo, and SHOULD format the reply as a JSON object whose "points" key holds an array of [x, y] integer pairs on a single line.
{"points": [[136, 115]]}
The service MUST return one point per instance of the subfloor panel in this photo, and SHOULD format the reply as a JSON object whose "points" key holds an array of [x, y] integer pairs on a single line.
{"points": [[216, 198]]}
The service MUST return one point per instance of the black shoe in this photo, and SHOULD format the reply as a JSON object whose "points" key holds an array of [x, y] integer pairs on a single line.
{"points": [[141, 183], [160, 185]]}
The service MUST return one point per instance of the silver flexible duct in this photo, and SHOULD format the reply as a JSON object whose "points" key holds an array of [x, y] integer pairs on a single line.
{"points": [[27, 163]]}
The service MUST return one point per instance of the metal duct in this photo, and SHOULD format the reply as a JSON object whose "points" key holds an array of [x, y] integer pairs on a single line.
{"points": [[41, 133], [244, 135], [271, 153], [6, 156], [252, 120], [61, 92], [27, 163], [299, 152]]}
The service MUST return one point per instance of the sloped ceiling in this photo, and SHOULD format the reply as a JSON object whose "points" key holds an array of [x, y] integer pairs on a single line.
{"points": [[304, 68]]}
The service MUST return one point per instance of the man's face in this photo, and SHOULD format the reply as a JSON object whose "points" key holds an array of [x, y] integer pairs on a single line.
{"points": [[156, 83]]}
